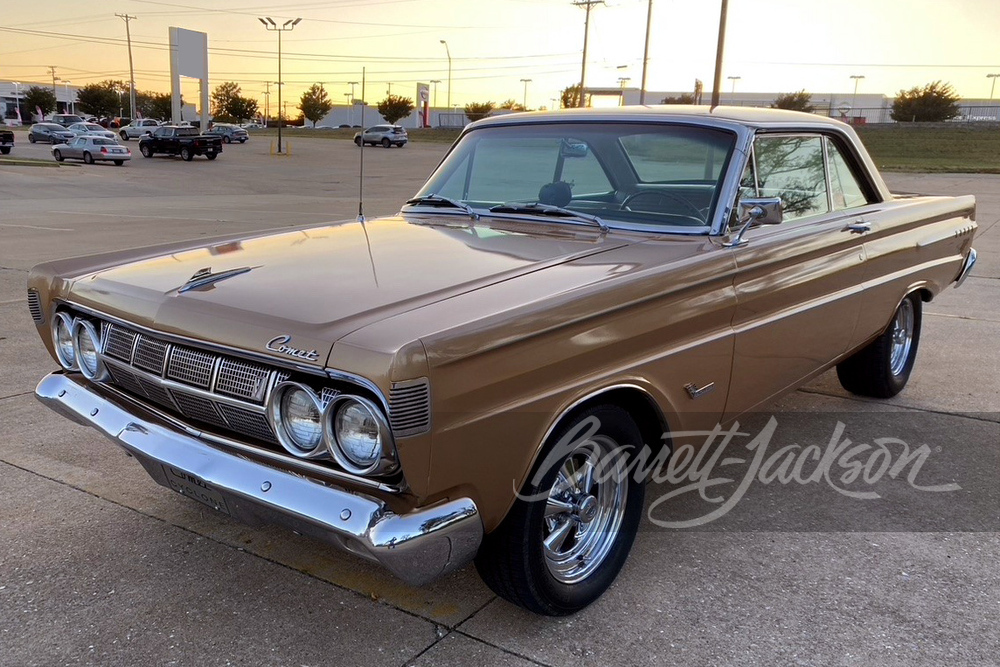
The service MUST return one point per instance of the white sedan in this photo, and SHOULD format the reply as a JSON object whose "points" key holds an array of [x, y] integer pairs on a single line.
{"points": [[92, 149]]}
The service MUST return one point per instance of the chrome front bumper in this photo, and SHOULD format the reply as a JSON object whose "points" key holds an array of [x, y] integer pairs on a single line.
{"points": [[417, 547]]}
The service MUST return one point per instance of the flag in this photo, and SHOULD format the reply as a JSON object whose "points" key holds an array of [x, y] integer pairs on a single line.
{"points": [[41, 116], [17, 108]]}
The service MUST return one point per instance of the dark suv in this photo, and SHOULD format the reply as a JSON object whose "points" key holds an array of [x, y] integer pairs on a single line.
{"points": [[66, 119]]}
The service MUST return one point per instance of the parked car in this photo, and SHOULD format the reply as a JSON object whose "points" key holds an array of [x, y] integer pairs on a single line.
{"points": [[92, 149], [6, 141], [66, 119], [179, 140], [49, 132], [385, 135], [138, 128], [229, 133], [565, 290], [93, 129]]}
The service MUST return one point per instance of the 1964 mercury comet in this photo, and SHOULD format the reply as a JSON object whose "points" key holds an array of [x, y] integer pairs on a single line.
{"points": [[394, 386]]}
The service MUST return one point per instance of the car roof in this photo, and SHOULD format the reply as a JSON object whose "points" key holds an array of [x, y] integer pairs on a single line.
{"points": [[751, 116]]}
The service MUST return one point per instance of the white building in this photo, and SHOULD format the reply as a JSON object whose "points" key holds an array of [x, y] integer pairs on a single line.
{"points": [[10, 92]]}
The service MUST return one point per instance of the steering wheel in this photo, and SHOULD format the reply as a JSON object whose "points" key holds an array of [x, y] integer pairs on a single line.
{"points": [[660, 197]]}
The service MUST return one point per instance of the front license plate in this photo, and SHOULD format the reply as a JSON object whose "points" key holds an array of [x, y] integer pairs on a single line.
{"points": [[193, 486]]}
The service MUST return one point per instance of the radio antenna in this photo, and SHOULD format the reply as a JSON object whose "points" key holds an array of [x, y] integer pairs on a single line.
{"points": [[361, 176]]}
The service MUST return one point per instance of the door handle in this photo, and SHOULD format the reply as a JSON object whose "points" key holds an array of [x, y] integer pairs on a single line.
{"points": [[859, 227]]}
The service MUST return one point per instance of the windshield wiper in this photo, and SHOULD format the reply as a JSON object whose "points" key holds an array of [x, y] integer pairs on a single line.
{"points": [[437, 200], [549, 209]]}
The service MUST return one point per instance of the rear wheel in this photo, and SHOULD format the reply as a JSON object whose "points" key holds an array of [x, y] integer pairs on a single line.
{"points": [[211, 156], [119, 163], [31, 138], [386, 143], [186, 154], [357, 141], [146, 150], [882, 368], [566, 538], [226, 140], [57, 154], [88, 158]]}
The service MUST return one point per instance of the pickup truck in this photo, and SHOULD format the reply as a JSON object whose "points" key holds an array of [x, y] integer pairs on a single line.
{"points": [[6, 140], [184, 141], [138, 128]]}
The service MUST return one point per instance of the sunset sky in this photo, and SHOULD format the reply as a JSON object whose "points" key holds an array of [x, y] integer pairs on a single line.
{"points": [[773, 45]]}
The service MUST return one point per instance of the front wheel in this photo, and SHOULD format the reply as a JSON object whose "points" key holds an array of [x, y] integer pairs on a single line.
{"points": [[567, 536], [386, 143], [124, 135], [146, 151], [357, 141], [882, 368], [186, 154], [57, 154], [226, 140], [31, 138], [88, 158]]}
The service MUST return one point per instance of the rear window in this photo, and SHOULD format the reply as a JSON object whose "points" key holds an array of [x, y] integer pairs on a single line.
{"points": [[101, 141], [187, 132]]}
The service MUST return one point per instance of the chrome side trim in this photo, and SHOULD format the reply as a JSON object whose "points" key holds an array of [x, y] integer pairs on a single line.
{"points": [[417, 547], [967, 264]]}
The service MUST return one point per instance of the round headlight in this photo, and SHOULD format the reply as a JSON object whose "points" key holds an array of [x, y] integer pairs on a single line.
{"points": [[359, 435], [85, 346], [296, 415], [62, 338]]}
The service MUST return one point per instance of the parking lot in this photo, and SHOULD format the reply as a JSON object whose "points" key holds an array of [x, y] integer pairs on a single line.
{"points": [[99, 565]]}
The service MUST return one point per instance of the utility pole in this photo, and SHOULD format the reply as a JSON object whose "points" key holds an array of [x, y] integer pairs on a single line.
{"points": [[435, 82], [645, 53], [131, 69], [586, 4], [716, 87], [52, 70], [267, 102], [524, 103]]}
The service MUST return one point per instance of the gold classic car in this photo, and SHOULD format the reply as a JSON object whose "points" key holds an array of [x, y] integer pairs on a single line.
{"points": [[459, 382]]}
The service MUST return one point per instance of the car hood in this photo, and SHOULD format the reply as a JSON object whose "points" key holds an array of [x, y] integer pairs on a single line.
{"points": [[316, 285]]}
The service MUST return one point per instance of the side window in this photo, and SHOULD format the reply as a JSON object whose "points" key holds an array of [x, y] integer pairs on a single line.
{"points": [[844, 186], [792, 168]]}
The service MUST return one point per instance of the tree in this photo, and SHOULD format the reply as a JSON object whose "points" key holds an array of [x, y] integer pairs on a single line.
{"points": [[315, 103], [683, 98], [99, 99], [222, 96], [242, 108], [800, 101], [570, 97], [42, 98], [478, 110], [511, 105], [395, 107], [935, 102], [153, 105]]}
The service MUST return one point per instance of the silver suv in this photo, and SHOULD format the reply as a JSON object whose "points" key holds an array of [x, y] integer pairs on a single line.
{"points": [[387, 135]]}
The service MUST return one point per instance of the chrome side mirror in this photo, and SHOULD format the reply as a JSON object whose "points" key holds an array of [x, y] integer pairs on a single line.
{"points": [[756, 213]]}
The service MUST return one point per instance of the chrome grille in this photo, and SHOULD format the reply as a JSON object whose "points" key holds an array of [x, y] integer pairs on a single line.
{"points": [[119, 343], [35, 306], [196, 407], [243, 380], [410, 407], [191, 366], [251, 423], [127, 380], [150, 355]]}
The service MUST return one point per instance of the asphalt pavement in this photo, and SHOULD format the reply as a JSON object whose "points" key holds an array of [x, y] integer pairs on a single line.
{"points": [[99, 565]]}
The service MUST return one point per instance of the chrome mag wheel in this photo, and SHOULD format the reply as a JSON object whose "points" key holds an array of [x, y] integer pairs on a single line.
{"points": [[902, 337], [584, 511]]}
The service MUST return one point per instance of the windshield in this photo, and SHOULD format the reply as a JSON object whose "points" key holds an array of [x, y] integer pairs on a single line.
{"points": [[645, 174]]}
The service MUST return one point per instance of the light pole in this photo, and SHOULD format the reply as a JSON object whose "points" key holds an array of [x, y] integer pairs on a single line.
{"points": [[435, 82], [288, 25], [448, 51], [992, 85], [350, 108], [732, 93], [622, 80], [17, 100], [524, 103], [69, 102], [857, 79]]}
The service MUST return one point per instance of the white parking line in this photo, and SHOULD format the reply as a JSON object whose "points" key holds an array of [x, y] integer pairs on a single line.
{"points": [[47, 229]]}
